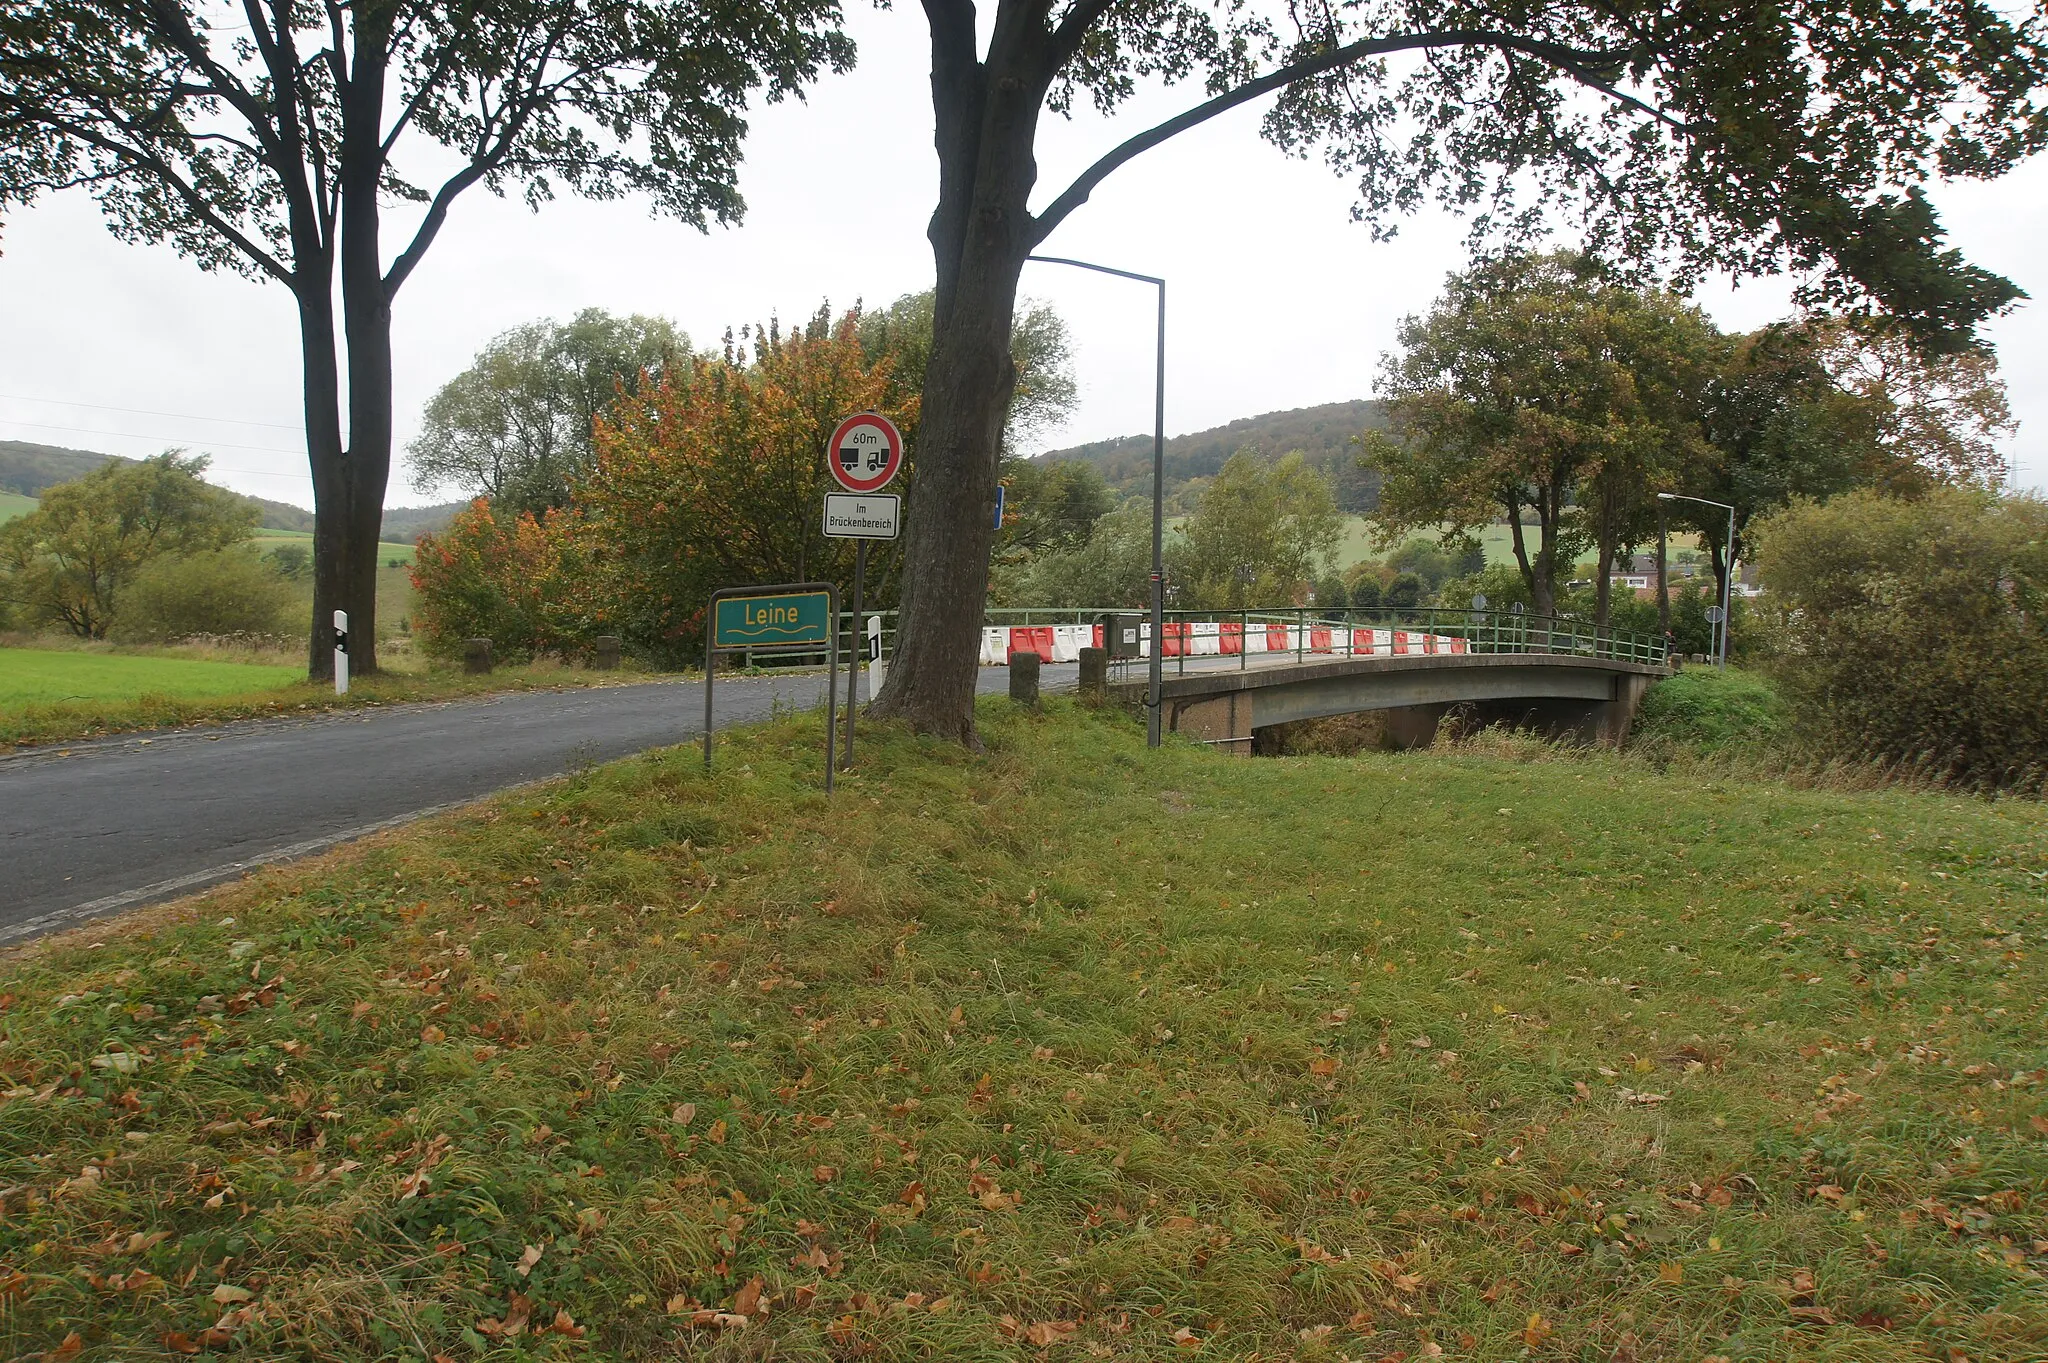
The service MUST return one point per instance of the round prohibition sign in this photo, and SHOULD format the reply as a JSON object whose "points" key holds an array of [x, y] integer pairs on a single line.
{"points": [[865, 452]]}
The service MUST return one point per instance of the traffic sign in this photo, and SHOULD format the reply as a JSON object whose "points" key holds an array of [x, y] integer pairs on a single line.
{"points": [[1714, 614], [999, 506], [860, 516], [782, 620], [865, 452]]}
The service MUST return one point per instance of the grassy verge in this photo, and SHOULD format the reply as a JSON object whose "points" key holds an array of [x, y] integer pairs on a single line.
{"points": [[1068, 1051], [148, 703]]}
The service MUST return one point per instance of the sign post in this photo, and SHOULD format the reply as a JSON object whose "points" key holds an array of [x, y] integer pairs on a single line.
{"points": [[791, 615], [341, 653], [864, 454]]}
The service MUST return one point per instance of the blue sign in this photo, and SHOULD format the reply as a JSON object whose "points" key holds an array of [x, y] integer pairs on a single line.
{"points": [[999, 506]]}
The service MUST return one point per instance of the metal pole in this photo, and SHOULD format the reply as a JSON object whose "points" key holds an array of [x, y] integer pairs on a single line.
{"points": [[710, 668], [831, 680], [1155, 696], [1727, 585], [860, 572], [1156, 699]]}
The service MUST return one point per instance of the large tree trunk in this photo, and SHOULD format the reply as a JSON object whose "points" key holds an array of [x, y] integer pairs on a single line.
{"points": [[349, 484], [980, 234], [327, 459]]}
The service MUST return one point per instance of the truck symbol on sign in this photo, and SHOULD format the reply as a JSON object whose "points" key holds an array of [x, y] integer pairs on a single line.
{"points": [[850, 454]]}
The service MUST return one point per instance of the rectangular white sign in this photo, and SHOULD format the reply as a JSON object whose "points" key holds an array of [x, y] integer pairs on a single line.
{"points": [[862, 515]]}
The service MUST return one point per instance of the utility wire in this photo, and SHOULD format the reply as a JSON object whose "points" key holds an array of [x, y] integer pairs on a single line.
{"points": [[175, 440], [147, 411]]}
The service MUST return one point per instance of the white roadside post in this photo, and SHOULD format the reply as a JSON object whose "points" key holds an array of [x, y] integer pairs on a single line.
{"points": [[341, 653], [878, 671]]}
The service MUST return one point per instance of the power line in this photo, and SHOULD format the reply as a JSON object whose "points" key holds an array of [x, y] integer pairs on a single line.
{"points": [[146, 411], [174, 440]]}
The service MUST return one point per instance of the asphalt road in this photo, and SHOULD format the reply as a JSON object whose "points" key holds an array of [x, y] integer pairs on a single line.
{"points": [[126, 821]]}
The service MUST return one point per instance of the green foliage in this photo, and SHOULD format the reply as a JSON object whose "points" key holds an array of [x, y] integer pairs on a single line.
{"points": [[68, 562], [1404, 592], [1363, 590], [512, 579], [1258, 537], [222, 591], [1544, 385], [1913, 632], [1127, 1074], [293, 562], [1039, 347], [1113, 568], [516, 425], [1330, 593], [1050, 506], [1708, 709]]}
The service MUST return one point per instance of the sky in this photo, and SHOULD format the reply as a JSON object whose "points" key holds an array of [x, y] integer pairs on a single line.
{"points": [[1275, 298]]}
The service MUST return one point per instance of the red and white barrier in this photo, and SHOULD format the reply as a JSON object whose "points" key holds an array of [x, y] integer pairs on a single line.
{"points": [[1217, 638]]}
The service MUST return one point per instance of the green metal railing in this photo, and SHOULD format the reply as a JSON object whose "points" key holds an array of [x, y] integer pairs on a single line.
{"points": [[1481, 631]]}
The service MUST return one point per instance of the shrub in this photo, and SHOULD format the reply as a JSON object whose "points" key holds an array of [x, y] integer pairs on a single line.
{"points": [[1912, 632], [502, 578], [225, 591], [1708, 709]]}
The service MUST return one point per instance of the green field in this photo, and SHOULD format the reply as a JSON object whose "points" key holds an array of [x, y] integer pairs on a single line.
{"points": [[387, 552], [1359, 543], [35, 676], [1067, 1051], [13, 504]]}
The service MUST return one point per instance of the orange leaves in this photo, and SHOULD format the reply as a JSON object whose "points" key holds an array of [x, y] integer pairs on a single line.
{"points": [[1536, 1329], [1043, 1334], [990, 1194]]}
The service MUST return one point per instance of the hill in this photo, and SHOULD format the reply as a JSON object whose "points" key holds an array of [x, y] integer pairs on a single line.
{"points": [[27, 468], [1325, 434]]}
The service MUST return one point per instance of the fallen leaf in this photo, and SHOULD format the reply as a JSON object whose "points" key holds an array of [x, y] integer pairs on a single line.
{"points": [[565, 1325], [824, 1173], [1536, 1330], [1049, 1332], [227, 1294], [71, 1347], [717, 1132], [432, 1035], [684, 1114], [1186, 1338], [514, 1323], [1673, 1273], [528, 1260], [1421, 1043], [747, 1301]]}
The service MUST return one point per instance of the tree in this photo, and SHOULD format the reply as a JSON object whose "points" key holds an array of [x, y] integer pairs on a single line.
{"points": [[1815, 407], [263, 139], [1913, 631], [1542, 385], [1260, 535], [516, 425], [70, 560], [1050, 507], [1749, 136], [1112, 569]]}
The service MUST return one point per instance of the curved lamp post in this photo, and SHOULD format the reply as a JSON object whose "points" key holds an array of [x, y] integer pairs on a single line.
{"points": [[1728, 573], [1153, 698]]}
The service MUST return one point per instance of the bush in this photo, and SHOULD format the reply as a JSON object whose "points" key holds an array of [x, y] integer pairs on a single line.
{"points": [[514, 580], [226, 591], [1912, 633], [1708, 709]]}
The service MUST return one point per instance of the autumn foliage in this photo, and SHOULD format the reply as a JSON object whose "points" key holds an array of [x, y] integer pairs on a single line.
{"points": [[713, 476]]}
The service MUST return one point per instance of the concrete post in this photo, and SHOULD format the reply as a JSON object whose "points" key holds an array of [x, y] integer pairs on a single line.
{"points": [[1024, 680], [1094, 673], [476, 655], [607, 659]]}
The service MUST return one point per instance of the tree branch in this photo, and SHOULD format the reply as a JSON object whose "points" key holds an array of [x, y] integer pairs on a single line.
{"points": [[1576, 62]]}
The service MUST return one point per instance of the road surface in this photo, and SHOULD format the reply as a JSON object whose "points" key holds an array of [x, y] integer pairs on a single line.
{"points": [[130, 820]]}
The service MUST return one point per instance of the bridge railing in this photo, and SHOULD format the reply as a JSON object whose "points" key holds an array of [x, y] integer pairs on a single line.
{"points": [[1305, 633]]}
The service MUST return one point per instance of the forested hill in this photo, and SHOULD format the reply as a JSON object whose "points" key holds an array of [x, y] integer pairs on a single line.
{"points": [[28, 468], [1325, 434]]}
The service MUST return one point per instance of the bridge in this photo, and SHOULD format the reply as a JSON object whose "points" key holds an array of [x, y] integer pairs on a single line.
{"points": [[1230, 674]]}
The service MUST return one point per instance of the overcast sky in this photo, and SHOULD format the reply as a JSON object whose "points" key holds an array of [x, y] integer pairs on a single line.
{"points": [[1275, 299]]}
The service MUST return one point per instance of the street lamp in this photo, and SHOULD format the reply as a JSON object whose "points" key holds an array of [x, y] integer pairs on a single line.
{"points": [[1153, 699], [1728, 560]]}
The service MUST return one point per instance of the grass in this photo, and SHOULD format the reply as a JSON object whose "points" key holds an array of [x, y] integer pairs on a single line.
{"points": [[13, 504], [387, 552], [1360, 543], [42, 677], [134, 690], [1067, 1051]]}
